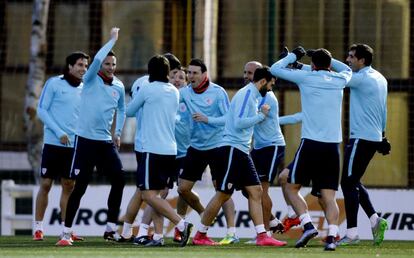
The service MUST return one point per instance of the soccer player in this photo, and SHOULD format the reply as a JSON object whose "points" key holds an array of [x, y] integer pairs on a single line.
{"points": [[236, 169], [159, 102], [136, 200], [267, 153], [368, 118], [208, 104], [59, 111], [103, 94], [317, 158], [265, 136]]}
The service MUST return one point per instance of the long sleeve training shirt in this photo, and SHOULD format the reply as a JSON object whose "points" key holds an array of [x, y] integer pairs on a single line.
{"points": [[268, 132], [159, 103], [242, 116], [58, 109], [368, 104], [212, 103], [321, 97], [99, 102], [138, 115]]}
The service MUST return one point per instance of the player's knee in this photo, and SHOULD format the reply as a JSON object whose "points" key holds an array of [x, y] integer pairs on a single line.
{"points": [[68, 185], [282, 178], [183, 190], [255, 193], [164, 193]]}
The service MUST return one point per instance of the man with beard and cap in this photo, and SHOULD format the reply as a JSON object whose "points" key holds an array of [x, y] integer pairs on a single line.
{"points": [[58, 109], [236, 169]]}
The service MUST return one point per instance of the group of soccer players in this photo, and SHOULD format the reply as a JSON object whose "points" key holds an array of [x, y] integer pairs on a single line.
{"points": [[185, 123]]}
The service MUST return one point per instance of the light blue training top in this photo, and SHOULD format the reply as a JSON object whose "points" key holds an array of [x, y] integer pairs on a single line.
{"points": [[159, 103], [268, 132], [368, 104], [58, 109], [183, 130], [321, 97], [212, 103], [100, 101], [291, 119], [242, 116], [138, 116]]}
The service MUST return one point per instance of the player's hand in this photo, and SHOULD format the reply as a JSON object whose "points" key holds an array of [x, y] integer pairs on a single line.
{"points": [[198, 117], [299, 52], [117, 141], [297, 65], [284, 52], [310, 52], [265, 109], [384, 147], [64, 139], [114, 33]]}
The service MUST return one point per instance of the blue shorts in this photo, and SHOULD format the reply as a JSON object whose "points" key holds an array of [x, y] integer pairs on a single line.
{"points": [[155, 171], [236, 170], [93, 153], [316, 162], [267, 160], [56, 161], [196, 162]]}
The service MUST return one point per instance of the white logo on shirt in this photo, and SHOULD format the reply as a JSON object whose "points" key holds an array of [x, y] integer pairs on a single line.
{"points": [[229, 185], [77, 171], [44, 170], [327, 78]]}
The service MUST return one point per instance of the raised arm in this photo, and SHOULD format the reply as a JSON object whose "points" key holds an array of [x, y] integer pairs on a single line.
{"points": [[100, 56]]}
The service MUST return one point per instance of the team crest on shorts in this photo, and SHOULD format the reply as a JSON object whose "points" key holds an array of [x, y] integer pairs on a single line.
{"points": [[44, 170], [77, 171], [229, 185]]}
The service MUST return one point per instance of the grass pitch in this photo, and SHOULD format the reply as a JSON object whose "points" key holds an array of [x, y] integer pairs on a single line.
{"points": [[23, 246]]}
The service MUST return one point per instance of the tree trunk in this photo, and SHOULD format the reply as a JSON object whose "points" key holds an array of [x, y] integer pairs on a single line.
{"points": [[35, 81]]}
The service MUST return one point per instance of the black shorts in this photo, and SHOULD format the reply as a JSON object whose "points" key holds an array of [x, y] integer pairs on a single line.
{"points": [[358, 154], [196, 162], [178, 169], [236, 170], [267, 160], [56, 161], [92, 153], [316, 162], [155, 171]]}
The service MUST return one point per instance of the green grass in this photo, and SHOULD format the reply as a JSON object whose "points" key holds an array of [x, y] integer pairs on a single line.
{"points": [[23, 246]]}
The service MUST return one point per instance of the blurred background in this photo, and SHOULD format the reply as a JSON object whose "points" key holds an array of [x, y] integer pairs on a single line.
{"points": [[226, 34]]}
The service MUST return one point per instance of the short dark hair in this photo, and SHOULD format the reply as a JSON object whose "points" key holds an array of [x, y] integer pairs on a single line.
{"points": [[111, 53], [158, 68], [363, 51], [200, 63], [174, 62], [262, 73], [321, 58], [73, 57]]}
